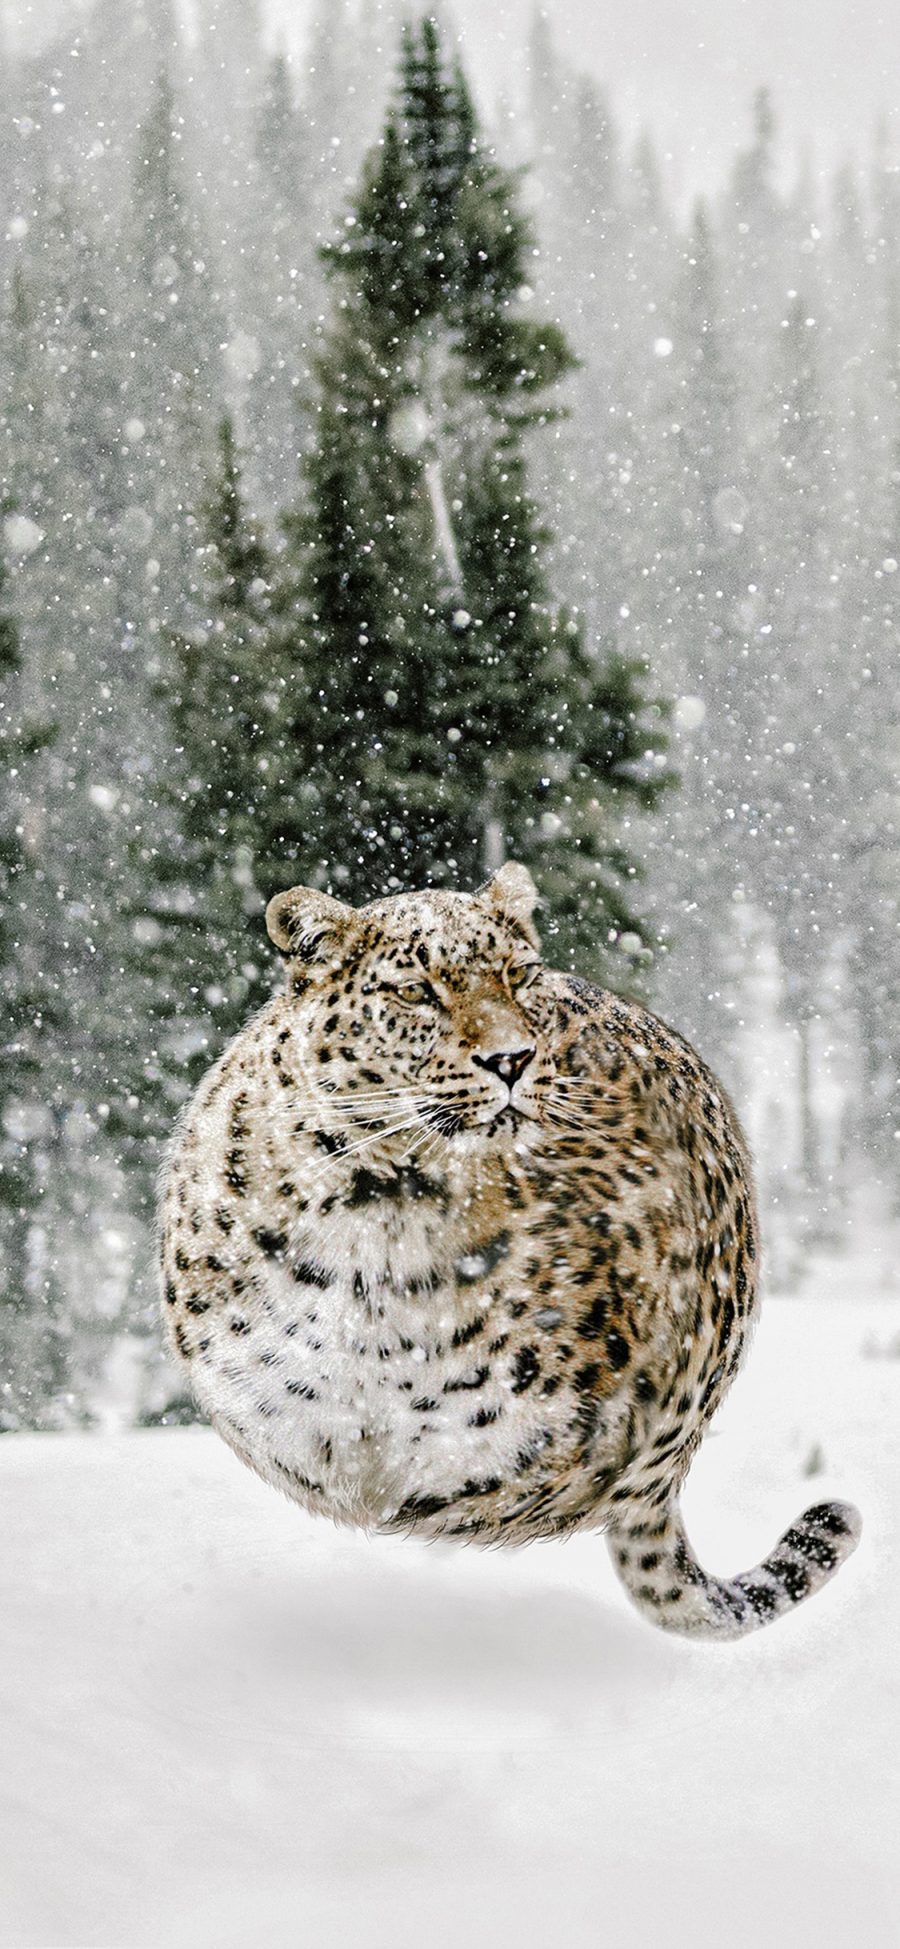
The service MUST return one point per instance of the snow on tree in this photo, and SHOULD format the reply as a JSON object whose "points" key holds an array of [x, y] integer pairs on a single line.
{"points": [[196, 952], [281, 289], [449, 711], [170, 316], [701, 644], [32, 1337]]}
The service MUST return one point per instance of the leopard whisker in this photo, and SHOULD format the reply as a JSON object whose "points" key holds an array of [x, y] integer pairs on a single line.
{"points": [[408, 1092], [568, 1087], [565, 1104], [374, 1136], [564, 1113], [423, 1103]]}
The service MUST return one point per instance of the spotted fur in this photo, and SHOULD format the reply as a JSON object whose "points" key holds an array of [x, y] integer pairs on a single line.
{"points": [[458, 1244]]}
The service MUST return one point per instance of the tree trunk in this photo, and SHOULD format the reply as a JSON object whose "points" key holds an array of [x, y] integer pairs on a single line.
{"points": [[810, 1160], [494, 852]]}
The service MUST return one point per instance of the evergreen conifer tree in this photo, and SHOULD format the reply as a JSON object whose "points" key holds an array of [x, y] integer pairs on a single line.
{"points": [[32, 1341], [446, 712], [170, 313], [702, 573], [756, 259], [283, 281], [64, 471], [796, 741], [582, 273], [196, 933], [16, 745], [867, 757]]}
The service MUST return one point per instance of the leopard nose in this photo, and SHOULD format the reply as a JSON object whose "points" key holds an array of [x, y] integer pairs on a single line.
{"points": [[508, 1064]]}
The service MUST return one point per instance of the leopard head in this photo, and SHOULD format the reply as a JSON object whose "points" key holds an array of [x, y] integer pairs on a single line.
{"points": [[433, 1006]]}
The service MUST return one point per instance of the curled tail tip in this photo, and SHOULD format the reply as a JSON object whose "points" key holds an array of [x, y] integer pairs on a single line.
{"points": [[841, 1516], [808, 1554], [838, 1524], [662, 1576]]}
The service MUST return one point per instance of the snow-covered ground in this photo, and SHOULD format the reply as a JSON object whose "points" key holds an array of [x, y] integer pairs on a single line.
{"points": [[227, 1725]]}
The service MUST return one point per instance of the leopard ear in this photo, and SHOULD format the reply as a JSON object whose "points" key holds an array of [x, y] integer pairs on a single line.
{"points": [[307, 925], [512, 895]]}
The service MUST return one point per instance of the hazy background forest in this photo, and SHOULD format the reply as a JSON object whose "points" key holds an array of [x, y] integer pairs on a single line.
{"points": [[719, 468]]}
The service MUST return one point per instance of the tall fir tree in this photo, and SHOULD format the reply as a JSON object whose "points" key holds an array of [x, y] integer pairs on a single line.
{"points": [[33, 1340], [171, 315], [104, 71], [196, 962], [282, 296], [449, 713], [227, 62], [868, 753], [755, 258], [794, 779], [64, 467], [580, 273], [702, 570]]}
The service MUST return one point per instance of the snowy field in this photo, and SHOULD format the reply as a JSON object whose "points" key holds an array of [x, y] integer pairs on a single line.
{"points": [[225, 1724]]}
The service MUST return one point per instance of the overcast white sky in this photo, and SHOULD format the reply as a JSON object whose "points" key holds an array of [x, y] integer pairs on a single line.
{"points": [[687, 68]]}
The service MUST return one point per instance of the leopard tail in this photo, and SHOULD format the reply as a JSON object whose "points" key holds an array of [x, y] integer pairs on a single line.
{"points": [[661, 1574]]}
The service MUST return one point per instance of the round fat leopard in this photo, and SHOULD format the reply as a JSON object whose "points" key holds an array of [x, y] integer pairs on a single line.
{"points": [[459, 1245]]}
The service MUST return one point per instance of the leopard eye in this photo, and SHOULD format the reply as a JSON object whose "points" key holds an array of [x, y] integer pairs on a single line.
{"points": [[521, 975], [414, 993]]}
